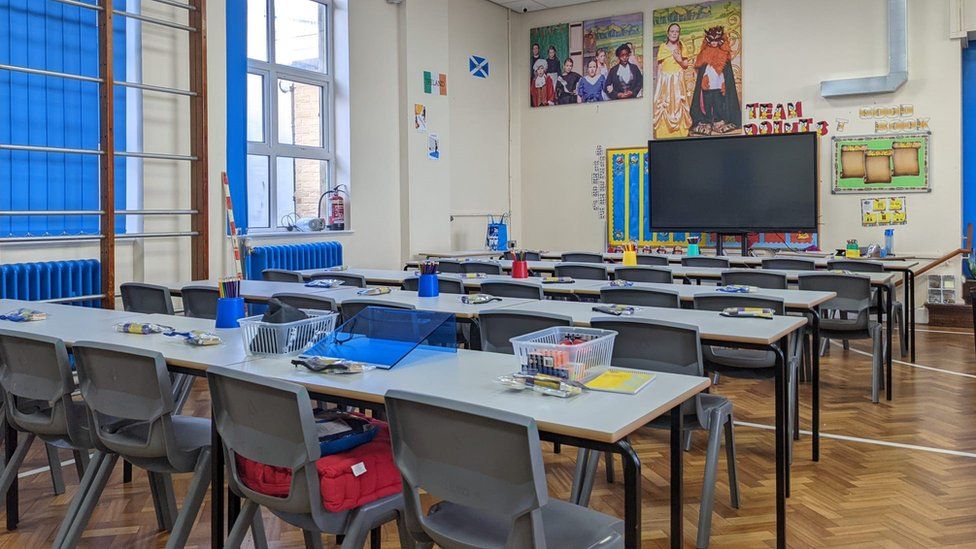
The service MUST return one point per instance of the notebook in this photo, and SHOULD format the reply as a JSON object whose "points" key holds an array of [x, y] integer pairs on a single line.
{"points": [[617, 380]]}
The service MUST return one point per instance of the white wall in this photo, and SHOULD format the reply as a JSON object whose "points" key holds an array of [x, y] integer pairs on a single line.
{"points": [[789, 46]]}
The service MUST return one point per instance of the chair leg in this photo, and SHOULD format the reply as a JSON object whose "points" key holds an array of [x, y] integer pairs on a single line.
{"points": [[313, 540], [245, 520], [589, 476], [609, 464], [877, 361], [87, 506], [580, 470], [258, 535], [687, 437], [406, 540], [708, 483], [192, 502], [84, 486], [10, 470], [82, 460], [557, 448], [376, 538], [731, 462], [900, 319], [162, 522], [54, 462], [126, 472]]}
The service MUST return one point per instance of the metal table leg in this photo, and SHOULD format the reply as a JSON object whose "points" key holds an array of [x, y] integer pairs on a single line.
{"points": [[815, 373], [632, 495], [910, 309], [889, 307], [216, 489], [13, 499], [677, 478], [781, 442]]}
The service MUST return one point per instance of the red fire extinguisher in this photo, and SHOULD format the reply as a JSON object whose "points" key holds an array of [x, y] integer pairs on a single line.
{"points": [[337, 208]]}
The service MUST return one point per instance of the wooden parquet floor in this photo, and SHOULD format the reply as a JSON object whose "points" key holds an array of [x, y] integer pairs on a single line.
{"points": [[902, 474]]}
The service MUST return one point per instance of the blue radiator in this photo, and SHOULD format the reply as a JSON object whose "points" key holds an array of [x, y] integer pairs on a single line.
{"points": [[316, 255], [52, 280]]}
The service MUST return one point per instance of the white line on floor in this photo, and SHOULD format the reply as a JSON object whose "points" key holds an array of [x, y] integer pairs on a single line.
{"points": [[912, 364], [867, 441], [942, 332], [44, 469]]}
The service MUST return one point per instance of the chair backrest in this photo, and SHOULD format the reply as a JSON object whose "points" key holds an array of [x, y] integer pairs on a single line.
{"points": [[789, 264], [138, 297], [36, 368], [500, 325], [642, 297], [652, 259], [755, 277], [307, 301], [582, 271], [720, 301], [855, 266], [349, 280], [486, 459], [513, 288], [529, 256], [200, 301], [644, 274], [445, 285], [853, 292], [449, 266], [654, 345], [269, 421], [582, 257], [281, 275], [482, 267], [705, 261], [132, 384], [352, 307]]}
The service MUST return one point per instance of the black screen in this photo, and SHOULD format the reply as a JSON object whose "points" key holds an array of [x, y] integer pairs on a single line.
{"points": [[734, 184]]}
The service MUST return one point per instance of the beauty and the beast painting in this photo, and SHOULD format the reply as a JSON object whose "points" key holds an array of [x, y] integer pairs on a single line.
{"points": [[698, 70]]}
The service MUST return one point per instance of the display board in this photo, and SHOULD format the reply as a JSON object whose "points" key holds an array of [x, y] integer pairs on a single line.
{"points": [[881, 163]]}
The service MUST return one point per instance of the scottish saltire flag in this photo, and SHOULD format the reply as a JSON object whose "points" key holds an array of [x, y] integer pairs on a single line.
{"points": [[478, 66]]}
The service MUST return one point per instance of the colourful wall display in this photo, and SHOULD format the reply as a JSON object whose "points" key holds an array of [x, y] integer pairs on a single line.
{"points": [[698, 69], [587, 61], [881, 163], [628, 218], [886, 210]]}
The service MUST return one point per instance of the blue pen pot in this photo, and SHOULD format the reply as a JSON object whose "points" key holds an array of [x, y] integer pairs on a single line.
{"points": [[427, 286], [229, 311], [693, 250]]}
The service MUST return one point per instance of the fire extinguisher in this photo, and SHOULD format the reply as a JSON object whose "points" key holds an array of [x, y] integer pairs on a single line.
{"points": [[337, 208]]}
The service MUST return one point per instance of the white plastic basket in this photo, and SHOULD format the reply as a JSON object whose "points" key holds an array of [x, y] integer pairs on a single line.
{"points": [[594, 353], [291, 338]]}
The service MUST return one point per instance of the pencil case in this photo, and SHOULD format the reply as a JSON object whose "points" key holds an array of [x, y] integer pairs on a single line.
{"points": [[141, 328], [735, 289], [327, 283], [747, 312], [378, 290], [558, 280], [621, 283], [615, 310], [24, 315]]}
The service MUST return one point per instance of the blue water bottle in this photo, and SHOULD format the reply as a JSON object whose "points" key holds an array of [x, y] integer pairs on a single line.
{"points": [[890, 241]]}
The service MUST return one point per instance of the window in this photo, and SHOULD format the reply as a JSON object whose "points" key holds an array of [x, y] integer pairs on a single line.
{"points": [[290, 106]]}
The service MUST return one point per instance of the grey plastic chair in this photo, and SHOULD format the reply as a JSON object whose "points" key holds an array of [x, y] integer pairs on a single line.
{"points": [[660, 346], [307, 301], [500, 325], [349, 280], [37, 384], [755, 277], [482, 267], [582, 271], [853, 298], [485, 468], [641, 297], [513, 288], [789, 264], [133, 386], [656, 260], [281, 275], [270, 421], [445, 285], [581, 257], [644, 274], [200, 301], [139, 297], [529, 256], [898, 308], [449, 266], [352, 307], [705, 261]]}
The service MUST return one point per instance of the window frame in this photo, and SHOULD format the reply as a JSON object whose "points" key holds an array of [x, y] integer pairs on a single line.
{"points": [[270, 146]]}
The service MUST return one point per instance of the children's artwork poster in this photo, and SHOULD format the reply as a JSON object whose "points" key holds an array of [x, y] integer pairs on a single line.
{"points": [[894, 118], [435, 83], [587, 61], [698, 70], [887, 210], [881, 163], [420, 117], [433, 146], [598, 191], [628, 215], [777, 118]]}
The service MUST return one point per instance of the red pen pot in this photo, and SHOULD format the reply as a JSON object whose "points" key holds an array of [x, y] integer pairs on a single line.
{"points": [[520, 269]]}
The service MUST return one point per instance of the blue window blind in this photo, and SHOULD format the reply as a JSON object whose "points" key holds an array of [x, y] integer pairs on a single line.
{"points": [[237, 110], [54, 112]]}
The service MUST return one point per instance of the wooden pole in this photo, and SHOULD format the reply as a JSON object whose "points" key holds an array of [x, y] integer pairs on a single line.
{"points": [[106, 104], [199, 176]]}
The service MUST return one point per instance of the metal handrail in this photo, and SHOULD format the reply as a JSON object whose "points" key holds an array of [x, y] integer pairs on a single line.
{"points": [[17, 213], [138, 16], [124, 154]]}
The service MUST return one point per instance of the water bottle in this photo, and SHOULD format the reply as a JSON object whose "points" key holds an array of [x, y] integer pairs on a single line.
{"points": [[890, 241]]}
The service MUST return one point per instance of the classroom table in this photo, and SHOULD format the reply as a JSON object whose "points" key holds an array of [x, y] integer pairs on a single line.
{"points": [[259, 291], [462, 254], [581, 421]]}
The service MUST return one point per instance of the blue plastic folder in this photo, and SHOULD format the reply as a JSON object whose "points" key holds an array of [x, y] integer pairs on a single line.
{"points": [[383, 337]]}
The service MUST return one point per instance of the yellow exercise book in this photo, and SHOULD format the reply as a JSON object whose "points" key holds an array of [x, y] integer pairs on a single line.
{"points": [[620, 381]]}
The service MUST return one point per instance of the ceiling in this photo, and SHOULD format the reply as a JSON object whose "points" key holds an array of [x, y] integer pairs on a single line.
{"points": [[536, 5]]}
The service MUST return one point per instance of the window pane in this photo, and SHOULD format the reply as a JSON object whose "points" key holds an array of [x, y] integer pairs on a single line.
{"points": [[300, 27], [299, 114], [300, 182], [257, 191], [255, 108], [257, 29]]}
